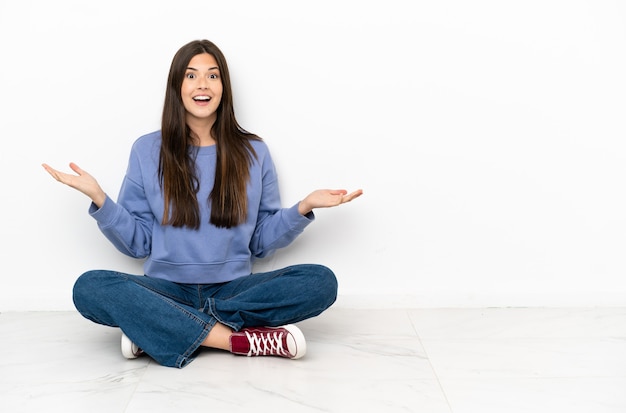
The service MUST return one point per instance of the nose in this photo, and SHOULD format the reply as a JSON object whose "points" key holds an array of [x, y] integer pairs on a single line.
{"points": [[203, 83]]}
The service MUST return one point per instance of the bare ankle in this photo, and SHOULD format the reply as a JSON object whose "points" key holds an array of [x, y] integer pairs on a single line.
{"points": [[218, 337]]}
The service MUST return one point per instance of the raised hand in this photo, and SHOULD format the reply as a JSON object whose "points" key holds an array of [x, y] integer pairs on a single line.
{"points": [[82, 182], [325, 198]]}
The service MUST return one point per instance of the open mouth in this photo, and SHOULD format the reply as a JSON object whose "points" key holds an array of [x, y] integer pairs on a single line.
{"points": [[202, 98]]}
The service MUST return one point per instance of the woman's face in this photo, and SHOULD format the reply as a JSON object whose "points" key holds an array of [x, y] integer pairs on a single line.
{"points": [[202, 89]]}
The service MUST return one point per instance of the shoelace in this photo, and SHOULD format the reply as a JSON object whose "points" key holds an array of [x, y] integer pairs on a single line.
{"points": [[266, 344]]}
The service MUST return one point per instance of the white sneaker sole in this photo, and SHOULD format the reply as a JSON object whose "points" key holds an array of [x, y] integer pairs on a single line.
{"points": [[129, 349], [297, 346]]}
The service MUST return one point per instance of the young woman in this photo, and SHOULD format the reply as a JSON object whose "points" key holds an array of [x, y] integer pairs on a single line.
{"points": [[200, 201]]}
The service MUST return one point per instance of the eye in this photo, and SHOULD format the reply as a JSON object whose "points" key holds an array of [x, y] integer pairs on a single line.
{"points": [[213, 76], [190, 75]]}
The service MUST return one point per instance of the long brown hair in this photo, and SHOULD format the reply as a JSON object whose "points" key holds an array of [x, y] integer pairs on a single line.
{"points": [[177, 174]]}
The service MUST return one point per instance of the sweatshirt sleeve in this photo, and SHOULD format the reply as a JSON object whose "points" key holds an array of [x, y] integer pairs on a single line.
{"points": [[128, 223], [276, 227]]}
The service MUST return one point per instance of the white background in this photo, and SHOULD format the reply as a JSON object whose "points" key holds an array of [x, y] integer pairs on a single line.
{"points": [[488, 136]]}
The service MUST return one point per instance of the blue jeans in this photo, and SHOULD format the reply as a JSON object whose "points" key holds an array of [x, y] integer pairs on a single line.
{"points": [[169, 321]]}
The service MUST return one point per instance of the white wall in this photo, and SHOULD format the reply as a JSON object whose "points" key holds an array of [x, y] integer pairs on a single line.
{"points": [[489, 137]]}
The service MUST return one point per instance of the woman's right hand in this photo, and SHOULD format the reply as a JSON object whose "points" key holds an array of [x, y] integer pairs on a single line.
{"points": [[82, 182]]}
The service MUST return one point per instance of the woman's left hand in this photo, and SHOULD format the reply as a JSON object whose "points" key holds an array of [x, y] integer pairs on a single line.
{"points": [[325, 198]]}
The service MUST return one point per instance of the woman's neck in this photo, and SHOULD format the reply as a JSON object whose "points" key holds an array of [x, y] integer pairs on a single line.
{"points": [[201, 133]]}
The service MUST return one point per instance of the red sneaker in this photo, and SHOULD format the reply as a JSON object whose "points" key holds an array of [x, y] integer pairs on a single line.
{"points": [[285, 341]]}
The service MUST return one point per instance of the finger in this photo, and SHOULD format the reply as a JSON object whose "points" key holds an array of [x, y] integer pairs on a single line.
{"points": [[53, 172], [76, 168], [353, 195], [48, 168]]}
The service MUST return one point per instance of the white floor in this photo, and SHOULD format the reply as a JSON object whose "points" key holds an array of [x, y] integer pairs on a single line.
{"points": [[413, 360]]}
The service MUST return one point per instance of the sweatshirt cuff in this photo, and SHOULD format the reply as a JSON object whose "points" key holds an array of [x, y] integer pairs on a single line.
{"points": [[105, 213], [301, 220]]}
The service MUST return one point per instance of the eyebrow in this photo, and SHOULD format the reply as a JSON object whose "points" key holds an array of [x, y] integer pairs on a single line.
{"points": [[210, 68]]}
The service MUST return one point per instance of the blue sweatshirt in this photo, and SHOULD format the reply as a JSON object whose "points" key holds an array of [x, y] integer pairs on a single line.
{"points": [[209, 254]]}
